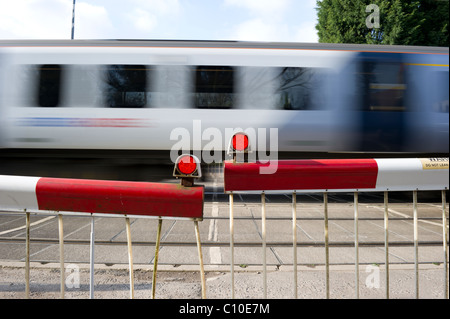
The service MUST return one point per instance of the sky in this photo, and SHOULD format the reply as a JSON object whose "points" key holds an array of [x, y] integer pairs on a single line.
{"points": [[243, 20]]}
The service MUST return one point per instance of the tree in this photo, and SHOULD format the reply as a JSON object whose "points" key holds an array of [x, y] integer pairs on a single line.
{"points": [[415, 22]]}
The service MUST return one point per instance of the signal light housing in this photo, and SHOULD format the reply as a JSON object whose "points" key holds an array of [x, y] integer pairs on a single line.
{"points": [[187, 165], [239, 143]]}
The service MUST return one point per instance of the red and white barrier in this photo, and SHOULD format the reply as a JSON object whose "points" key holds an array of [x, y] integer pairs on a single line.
{"points": [[61, 195], [99, 196], [339, 175], [336, 175]]}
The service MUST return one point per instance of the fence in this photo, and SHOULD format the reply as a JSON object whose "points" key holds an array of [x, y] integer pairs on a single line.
{"points": [[112, 199], [107, 198], [323, 176]]}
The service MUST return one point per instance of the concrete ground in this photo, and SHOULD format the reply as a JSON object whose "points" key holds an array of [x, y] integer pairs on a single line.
{"points": [[183, 282]]}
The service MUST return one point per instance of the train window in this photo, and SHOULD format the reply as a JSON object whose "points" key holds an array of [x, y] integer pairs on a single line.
{"points": [[383, 86], [126, 86], [49, 85], [214, 87], [296, 88]]}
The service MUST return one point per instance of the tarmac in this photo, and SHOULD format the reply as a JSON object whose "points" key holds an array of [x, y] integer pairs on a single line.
{"points": [[183, 282]]}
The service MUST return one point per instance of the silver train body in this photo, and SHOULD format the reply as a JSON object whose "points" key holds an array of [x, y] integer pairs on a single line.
{"points": [[134, 97]]}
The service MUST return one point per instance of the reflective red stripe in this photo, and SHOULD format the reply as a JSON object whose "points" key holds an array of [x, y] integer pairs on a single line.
{"points": [[116, 197], [302, 175]]}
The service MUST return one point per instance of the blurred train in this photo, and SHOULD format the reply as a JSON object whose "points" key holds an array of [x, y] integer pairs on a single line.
{"points": [[66, 106]]}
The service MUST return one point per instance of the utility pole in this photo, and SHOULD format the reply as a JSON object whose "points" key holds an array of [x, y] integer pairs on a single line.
{"points": [[73, 19]]}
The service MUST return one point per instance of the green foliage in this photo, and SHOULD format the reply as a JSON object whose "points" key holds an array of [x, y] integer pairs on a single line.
{"points": [[415, 22]]}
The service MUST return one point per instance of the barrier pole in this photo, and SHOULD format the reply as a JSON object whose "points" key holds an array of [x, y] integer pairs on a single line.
{"points": [[355, 195], [27, 256], [200, 258], [416, 243], [130, 257], [155, 262], [444, 239], [327, 253], [232, 243], [91, 275], [263, 230], [61, 253], [386, 240], [294, 240]]}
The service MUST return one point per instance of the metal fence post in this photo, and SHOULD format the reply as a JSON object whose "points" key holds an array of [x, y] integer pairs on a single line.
{"points": [[232, 243], [27, 256], [416, 243], [61, 253], [263, 231], [91, 277], [356, 244], [327, 253], [386, 240], [445, 246], [130, 256], [294, 241], [155, 262]]}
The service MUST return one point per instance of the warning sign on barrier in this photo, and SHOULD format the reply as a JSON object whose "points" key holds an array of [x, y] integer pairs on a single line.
{"points": [[435, 163]]}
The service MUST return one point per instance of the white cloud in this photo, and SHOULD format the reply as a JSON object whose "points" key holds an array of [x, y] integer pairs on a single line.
{"points": [[270, 20], [142, 20], [159, 7], [311, 4], [51, 19], [35, 19], [252, 20], [92, 21], [307, 32], [259, 30], [265, 8], [146, 16]]}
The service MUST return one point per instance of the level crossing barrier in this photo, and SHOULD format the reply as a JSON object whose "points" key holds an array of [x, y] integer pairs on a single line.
{"points": [[333, 176], [108, 198]]}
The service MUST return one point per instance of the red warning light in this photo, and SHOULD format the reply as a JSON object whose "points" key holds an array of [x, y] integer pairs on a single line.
{"points": [[240, 142], [187, 165]]}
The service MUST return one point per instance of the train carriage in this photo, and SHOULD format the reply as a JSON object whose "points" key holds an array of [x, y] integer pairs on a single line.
{"points": [[127, 101]]}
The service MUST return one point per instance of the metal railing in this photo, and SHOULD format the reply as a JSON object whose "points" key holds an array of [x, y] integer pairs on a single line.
{"points": [[92, 242], [58, 197], [265, 244], [324, 176], [295, 244]]}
